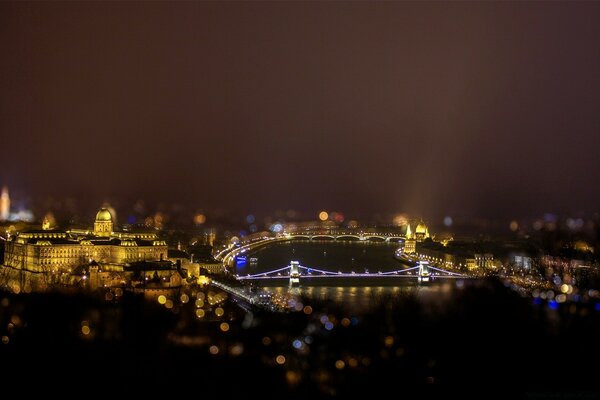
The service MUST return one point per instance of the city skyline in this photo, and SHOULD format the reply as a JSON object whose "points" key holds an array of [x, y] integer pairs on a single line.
{"points": [[296, 199], [485, 109]]}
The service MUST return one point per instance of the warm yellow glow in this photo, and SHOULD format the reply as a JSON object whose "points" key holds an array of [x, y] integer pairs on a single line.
{"points": [[162, 299], [219, 312], [103, 215], [85, 330], [200, 313], [203, 280], [266, 340], [5, 339], [224, 326], [339, 364], [400, 220], [514, 225], [237, 349], [169, 304], [292, 377], [353, 363], [213, 350], [345, 322], [280, 359], [184, 298], [389, 341], [199, 219], [323, 215], [564, 288], [199, 303], [308, 310]]}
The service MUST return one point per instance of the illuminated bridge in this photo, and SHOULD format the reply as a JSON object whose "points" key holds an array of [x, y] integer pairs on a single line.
{"points": [[423, 272], [337, 235], [228, 254]]}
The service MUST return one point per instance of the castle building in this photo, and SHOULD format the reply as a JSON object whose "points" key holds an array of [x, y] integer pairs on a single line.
{"points": [[53, 250]]}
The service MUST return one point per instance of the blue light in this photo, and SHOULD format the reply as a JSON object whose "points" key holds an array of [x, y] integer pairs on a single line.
{"points": [[276, 227], [240, 261], [553, 304], [537, 301], [329, 325], [297, 344], [131, 219], [597, 306], [250, 219]]}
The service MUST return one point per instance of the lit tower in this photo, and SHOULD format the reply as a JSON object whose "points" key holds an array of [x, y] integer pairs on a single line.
{"points": [[410, 242], [46, 223], [4, 204], [103, 225], [294, 273]]}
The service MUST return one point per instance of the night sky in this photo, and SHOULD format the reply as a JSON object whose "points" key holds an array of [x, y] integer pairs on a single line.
{"points": [[431, 108]]}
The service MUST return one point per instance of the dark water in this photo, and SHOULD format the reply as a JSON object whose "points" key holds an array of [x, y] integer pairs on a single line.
{"points": [[327, 255], [356, 295]]}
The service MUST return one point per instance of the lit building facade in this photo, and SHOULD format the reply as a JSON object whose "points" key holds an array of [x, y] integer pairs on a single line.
{"points": [[51, 250], [411, 238], [410, 243]]}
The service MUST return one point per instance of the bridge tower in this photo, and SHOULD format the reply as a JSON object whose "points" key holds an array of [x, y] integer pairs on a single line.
{"points": [[294, 273], [424, 272]]}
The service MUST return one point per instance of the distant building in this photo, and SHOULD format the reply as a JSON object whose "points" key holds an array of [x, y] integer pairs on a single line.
{"points": [[4, 205], [53, 250], [410, 243], [484, 261], [421, 232], [457, 256], [412, 238], [521, 261]]}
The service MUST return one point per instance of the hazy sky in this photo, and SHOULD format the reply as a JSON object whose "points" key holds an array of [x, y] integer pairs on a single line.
{"points": [[435, 108]]}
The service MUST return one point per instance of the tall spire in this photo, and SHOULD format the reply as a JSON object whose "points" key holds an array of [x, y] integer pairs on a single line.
{"points": [[4, 204], [408, 232]]}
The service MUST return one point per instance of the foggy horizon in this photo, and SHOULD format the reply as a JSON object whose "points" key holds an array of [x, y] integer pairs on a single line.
{"points": [[473, 109]]}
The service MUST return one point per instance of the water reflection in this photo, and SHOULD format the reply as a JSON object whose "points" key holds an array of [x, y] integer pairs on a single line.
{"points": [[363, 299]]}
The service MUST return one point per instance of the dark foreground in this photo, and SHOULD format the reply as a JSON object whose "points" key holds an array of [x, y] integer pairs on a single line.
{"points": [[487, 340]]}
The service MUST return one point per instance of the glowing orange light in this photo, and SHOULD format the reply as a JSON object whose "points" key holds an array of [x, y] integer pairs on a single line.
{"points": [[199, 219]]}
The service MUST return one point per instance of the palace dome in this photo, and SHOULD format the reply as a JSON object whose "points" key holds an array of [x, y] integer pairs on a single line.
{"points": [[421, 228], [103, 215]]}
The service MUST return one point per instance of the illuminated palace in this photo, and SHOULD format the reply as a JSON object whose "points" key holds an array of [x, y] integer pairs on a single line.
{"points": [[52, 250]]}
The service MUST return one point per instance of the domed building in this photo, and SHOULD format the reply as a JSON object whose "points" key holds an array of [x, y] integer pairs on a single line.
{"points": [[56, 250], [421, 232], [103, 226], [411, 238]]}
